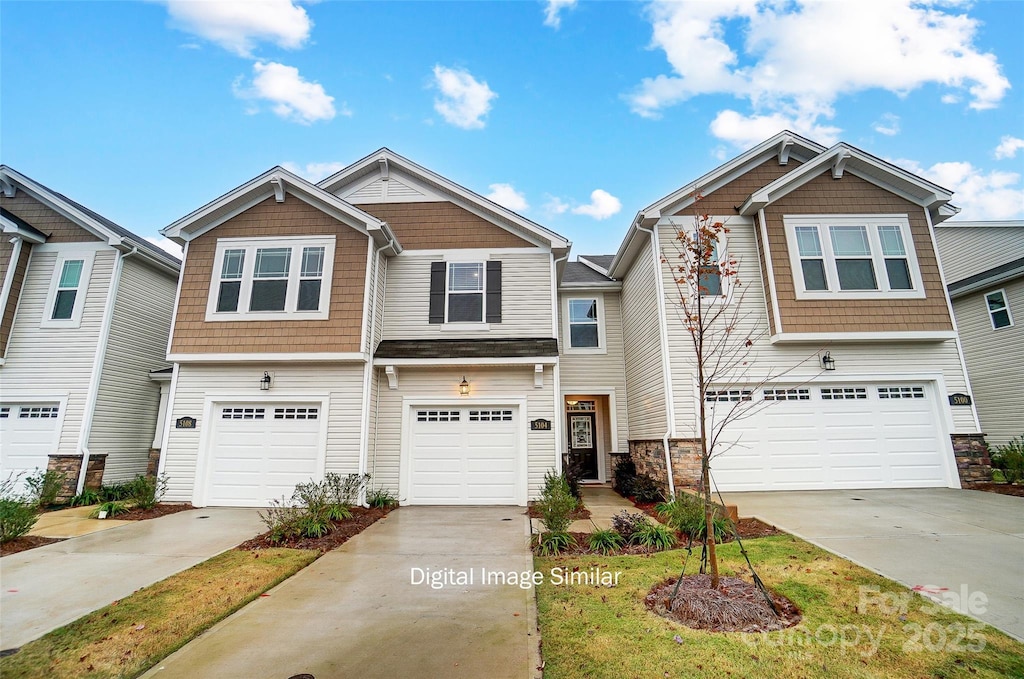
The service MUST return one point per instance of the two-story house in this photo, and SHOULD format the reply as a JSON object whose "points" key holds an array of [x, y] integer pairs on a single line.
{"points": [[844, 294], [86, 308], [984, 267], [385, 321]]}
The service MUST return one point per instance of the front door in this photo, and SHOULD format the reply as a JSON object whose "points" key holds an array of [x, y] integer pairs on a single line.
{"points": [[583, 443]]}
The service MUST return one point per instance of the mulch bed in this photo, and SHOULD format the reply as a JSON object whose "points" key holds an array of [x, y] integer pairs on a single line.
{"points": [[581, 513], [736, 606], [25, 542], [1001, 488], [153, 512], [362, 519], [749, 528]]}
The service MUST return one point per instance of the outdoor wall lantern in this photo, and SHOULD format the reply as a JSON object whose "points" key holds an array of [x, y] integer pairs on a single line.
{"points": [[827, 362], [265, 382], [464, 387]]}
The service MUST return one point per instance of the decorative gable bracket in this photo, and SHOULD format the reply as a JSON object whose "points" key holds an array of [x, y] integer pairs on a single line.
{"points": [[839, 164], [278, 183], [538, 376], [8, 187], [784, 146], [392, 374]]}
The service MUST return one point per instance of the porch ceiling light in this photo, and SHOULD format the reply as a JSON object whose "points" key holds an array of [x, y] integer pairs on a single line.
{"points": [[265, 382], [464, 387], [827, 362]]}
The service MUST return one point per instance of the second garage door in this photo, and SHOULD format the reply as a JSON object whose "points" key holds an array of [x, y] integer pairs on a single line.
{"points": [[260, 451], [842, 436], [465, 456]]}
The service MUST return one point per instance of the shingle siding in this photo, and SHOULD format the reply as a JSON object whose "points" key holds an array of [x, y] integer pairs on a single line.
{"points": [[441, 225]]}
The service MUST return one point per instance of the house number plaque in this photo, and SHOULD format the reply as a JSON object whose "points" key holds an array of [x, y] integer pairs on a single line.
{"points": [[540, 425], [185, 423], [959, 400]]}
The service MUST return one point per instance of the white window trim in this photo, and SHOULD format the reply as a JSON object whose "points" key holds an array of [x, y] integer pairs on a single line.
{"points": [[872, 222], [462, 326], [87, 257], [602, 345], [724, 282], [1006, 303], [250, 245]]}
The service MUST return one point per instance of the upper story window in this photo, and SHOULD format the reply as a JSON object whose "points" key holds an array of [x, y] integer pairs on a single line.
{"points": [[464, 293], [583, 324], [68, 287], [853, 256], [709, 279], [271, 279], [998, 309]]}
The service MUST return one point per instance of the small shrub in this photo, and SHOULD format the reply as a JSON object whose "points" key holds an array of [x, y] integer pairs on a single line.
{"points": [[556, 503], [1009, 459], [118, 491], [282, 519], [381, 498], [605, 541], [626, 524], [686, 514], [17, 514], [146, 491], [646, 489], [552, 543], [85, 498], [44, 487], [654, 536], [625, 473], [111, 507], [345, 490]]}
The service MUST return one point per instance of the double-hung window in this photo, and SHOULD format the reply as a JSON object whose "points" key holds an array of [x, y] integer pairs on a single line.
{"points": [[709, 279], [271, 279], [68, 287], [858, 257], [998, 309], [583, 324], [466, 289]]}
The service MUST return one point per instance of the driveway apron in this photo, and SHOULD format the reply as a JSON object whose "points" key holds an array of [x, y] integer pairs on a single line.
{"points": [[358, 612], [48, 587], [948, 541]]}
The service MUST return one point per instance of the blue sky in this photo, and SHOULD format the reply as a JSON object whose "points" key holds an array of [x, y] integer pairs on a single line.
{"points": [[576, 114]]}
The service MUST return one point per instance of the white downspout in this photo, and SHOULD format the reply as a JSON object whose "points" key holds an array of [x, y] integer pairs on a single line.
{"points": [[370, 315], [556, 374], [97, 367]]}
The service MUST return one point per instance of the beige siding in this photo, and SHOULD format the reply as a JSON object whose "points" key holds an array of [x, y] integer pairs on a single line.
{"points": [[867, 361], [641, 338], [989, 353], [969, 250], [582, 372], [55, 361], [377, 300], [126, 405], [442, 383], [525, 291], [342, 382]]}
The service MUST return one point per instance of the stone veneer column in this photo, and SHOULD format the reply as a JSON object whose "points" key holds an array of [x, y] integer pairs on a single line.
{"points": [[972, 460]]}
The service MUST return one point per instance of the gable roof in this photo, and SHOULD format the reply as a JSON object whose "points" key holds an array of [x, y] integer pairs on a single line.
{"points": [[597, 262], [988, 278], [93, 222], [276, 182], [384, 160], [579, 274]]}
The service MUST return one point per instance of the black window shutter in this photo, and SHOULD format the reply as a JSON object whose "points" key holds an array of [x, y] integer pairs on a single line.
{"points": [[437, 272], [493, 292]]}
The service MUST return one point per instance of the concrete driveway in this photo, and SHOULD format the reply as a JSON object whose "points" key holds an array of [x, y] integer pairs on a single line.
{"points": [[48, 587], [355, 612], [934, 537]]}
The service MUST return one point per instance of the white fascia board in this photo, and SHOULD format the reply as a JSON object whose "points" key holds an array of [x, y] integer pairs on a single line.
{"points": [[863, 337], [427, 362], [43, 195], [995, 224], [989, 282], [13, 229], [586, 262], [609, 285], [311, 357]]}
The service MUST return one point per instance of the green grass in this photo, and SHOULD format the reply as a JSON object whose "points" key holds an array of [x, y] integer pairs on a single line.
{"points": [[131, 635], [593, 632]]}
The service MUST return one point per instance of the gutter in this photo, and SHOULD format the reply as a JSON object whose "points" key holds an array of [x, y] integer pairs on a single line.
{"points": [[97, 367]]}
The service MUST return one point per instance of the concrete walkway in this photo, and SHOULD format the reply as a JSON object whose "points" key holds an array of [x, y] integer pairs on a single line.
{"points": [[48, 587], [355, 612], [933, 537], [71, 523]]}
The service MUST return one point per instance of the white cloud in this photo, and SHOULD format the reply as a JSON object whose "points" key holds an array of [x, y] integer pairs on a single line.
{"points": [[912, 44], [464, 100], [950, 99], [888, 124], [507, 196], [1008, 147], [291, 97], [553, 10], [555, 206], [238, 25], [602, 205], [314, 172], [167, 245], [745, 131], [980, 195]]}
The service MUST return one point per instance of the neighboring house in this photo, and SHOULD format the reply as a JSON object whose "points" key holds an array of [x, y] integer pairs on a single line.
{"points": [[837, 255], [984, 267], [86, 308], [385, 321]]}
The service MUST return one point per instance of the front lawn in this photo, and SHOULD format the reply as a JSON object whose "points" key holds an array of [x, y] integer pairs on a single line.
{"points": [[855, 623], [130, 635]]}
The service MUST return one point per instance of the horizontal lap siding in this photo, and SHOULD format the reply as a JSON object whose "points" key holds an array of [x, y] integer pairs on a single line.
{"points": [[641, 337], [343, 382], [441, 225], [989, 353], [580, 372], [525, 298], [126, 405], [56, 360], [969, 250], [442, 383]]}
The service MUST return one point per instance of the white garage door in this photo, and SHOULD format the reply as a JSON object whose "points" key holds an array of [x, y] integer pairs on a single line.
{"points": [[841, 436], [260, 451], [465, 456], [28, 435]]}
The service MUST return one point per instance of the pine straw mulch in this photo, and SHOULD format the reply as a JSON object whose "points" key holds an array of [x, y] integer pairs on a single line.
{"points": [[581, 513], [1001, 488], [161, 509], [736, 606], [25, 542], [342, 531]]}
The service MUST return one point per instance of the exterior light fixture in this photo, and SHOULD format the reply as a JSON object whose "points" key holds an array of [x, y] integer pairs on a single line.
{"points": [[464, 387], [827, 362], [265, 382]]}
